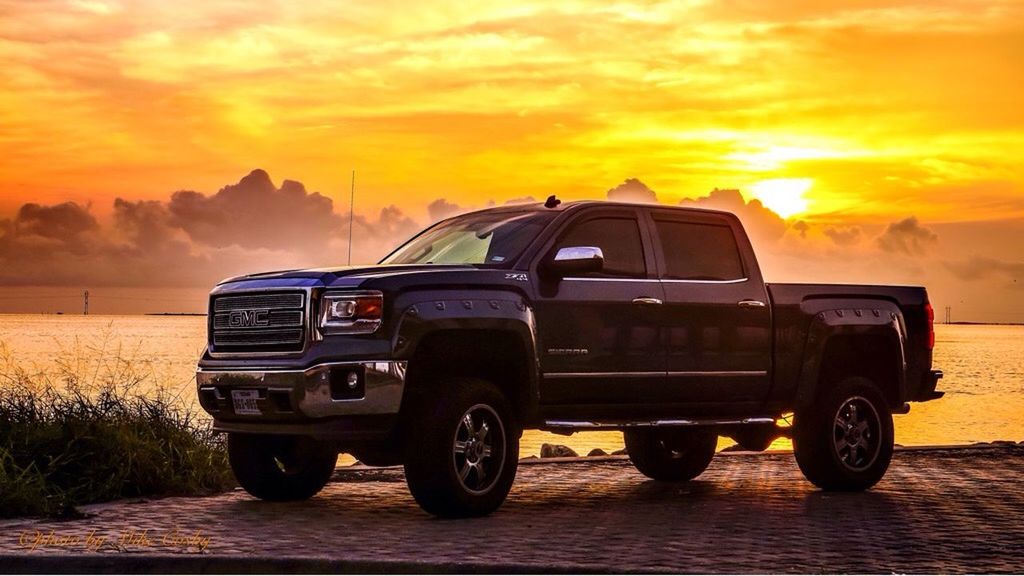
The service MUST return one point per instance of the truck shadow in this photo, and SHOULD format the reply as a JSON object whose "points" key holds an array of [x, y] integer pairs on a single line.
{"points": [[594, 518]]}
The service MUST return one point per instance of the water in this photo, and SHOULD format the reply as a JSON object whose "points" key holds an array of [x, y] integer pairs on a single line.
{"points": [[984, 368]]}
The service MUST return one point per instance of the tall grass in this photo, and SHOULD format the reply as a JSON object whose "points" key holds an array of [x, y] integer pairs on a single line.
{"points": [[84, 432]]}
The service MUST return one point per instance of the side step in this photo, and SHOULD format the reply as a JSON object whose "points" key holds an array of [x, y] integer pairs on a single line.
{"points": [[560, 425]]}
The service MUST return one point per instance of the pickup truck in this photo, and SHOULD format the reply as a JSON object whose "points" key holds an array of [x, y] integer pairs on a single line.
{"points": [[564, 317]]}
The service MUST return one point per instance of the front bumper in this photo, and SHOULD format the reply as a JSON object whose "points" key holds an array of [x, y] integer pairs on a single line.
{"points": [[292, 401]]}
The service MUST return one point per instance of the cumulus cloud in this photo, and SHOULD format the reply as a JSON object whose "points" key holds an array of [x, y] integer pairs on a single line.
{"points": [[255, 214], [144, 224], [67, 221], [760, 222], [192, 239], [441, 208], [908, 237], [632, 190], [40, 234], [375, 238], [843, 236]]}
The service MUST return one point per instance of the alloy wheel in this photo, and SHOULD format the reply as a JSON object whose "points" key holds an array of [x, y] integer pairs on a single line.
{"points": [[479, 449], [857, 433]]}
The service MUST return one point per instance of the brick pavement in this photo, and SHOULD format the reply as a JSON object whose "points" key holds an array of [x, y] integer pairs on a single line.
{"points": [[949, 510]]}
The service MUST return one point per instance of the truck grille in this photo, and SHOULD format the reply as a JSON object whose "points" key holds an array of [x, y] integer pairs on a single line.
{"points": [[258, 322]]}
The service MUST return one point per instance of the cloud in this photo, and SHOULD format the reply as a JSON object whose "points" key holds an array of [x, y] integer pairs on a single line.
{"points": [[907, 237], [255, 214], [801, 227], [843, 236], [192, 239], [632, 190], [521, 200], [440, 209], [984, 268], [38, 231], [375, 238], [68, 222], [144, 224], [761, 223]]}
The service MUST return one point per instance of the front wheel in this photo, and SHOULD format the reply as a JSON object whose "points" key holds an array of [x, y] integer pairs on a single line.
{"points": [[280, 468], [670, 455], [844, 440], [462, 450]]}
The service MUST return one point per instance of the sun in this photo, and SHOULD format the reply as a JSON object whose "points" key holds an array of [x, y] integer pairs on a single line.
{"points": [[784, 196]]}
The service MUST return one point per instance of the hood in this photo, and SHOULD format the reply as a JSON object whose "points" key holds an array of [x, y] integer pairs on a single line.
{"points": [[339, 277]]}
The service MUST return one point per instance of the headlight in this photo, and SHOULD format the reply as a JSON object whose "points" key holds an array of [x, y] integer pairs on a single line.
{"points": [[351, 313]]}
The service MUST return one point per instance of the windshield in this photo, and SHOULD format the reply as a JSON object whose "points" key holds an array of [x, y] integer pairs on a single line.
{"points": [[488, 238]]}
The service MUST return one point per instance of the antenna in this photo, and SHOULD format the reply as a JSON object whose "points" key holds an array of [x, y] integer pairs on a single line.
{"points": [[85, 298], [351, 215]]}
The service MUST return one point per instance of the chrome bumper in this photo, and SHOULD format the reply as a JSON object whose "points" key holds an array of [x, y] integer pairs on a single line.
{"points": [[321, 391]]}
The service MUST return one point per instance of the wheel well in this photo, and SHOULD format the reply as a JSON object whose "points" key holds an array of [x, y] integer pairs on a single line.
{"points": [[497, 356], [871, 357]]}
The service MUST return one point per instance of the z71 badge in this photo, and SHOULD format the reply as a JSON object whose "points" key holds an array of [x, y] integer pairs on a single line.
{"points": [[518, 277]]}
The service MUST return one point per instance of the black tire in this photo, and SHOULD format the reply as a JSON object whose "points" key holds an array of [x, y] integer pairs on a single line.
{"points": [[844, 440], [670, 454], [457, 468], [280, 468]]}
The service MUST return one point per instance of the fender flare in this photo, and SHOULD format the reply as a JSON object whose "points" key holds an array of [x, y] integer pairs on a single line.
{"points": [[876, 318], [507, 311]]}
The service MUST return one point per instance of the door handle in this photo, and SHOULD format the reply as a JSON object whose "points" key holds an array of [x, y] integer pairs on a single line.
{"points": [[645, 301], [751, 304]]}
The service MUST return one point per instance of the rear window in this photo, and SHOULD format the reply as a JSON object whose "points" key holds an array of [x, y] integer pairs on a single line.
{"points": [[699, 251]]}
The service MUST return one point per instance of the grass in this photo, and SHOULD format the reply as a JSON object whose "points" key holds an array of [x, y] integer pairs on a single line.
{"points": [[85, 433]]}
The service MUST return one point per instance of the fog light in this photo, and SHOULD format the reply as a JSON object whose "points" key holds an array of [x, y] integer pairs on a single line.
{"points": [[347, 383]]}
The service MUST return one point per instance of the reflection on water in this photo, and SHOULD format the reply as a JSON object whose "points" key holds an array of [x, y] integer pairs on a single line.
{"points": [[984, 368]]}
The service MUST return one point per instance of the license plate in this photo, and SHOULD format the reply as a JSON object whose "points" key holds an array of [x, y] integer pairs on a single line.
{"points": [[245, 402]]}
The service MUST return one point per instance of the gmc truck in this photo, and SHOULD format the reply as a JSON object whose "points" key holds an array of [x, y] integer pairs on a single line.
{"points": [[580, 316]]}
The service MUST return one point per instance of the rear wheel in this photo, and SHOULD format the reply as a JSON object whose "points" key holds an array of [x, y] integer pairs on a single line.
{"points": [[844, 441], [671, 455], [280, 468], [462, 449]]}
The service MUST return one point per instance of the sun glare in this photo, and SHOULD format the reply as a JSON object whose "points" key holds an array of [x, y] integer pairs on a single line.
{"points": [[784, 196]]}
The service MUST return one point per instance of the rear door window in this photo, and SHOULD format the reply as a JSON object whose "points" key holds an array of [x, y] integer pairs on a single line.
{"points": [[698, 251]]}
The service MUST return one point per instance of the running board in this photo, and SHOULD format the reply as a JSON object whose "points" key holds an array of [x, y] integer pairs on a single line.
{"points": [[617, 425]]}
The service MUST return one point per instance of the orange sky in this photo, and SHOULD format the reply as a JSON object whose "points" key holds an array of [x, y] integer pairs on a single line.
{"points": [[843, 116]]}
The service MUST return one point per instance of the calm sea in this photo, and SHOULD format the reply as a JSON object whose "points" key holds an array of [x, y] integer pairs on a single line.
{"points": [[984, 368]]}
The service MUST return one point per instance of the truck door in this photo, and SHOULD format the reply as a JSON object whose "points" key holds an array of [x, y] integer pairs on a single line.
{"points": [[717, 314], [600, 344]]}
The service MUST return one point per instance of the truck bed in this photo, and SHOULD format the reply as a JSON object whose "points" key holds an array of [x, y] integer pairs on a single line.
{"points": [[795, 307]]}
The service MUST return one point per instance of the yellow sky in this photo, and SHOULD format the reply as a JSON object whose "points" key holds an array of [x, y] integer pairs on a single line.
{"points": [[890, 134], [885, 108]]}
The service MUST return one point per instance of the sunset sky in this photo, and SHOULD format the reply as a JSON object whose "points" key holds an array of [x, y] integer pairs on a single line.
{"points": [[886, 138]]}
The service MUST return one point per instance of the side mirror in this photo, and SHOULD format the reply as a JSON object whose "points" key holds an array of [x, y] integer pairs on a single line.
{"points": [[575, 260]]}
